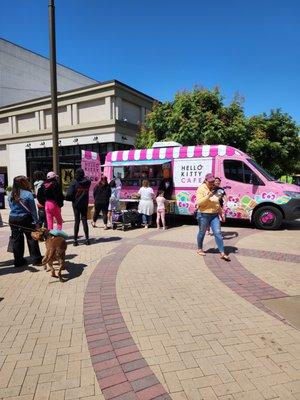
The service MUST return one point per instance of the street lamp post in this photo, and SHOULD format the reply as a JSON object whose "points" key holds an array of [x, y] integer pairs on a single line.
{"points": [[53, 80]]}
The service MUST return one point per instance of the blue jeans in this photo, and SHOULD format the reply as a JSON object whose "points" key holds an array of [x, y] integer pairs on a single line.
{"points": [[147, 219], [204, 220]]}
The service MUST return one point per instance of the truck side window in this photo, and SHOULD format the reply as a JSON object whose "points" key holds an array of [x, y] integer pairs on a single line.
{"points": [[238, 171]]}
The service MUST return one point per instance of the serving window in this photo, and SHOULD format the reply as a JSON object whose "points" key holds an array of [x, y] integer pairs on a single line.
{"points": [[133, 175]]}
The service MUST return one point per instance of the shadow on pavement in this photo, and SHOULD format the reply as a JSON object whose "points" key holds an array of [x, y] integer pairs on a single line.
{"points": [[74, 270], [105, 239], [71, 256], [81, 241], [6, 263], [291, 225], [180, 220], [227, 249], [7, 267]]}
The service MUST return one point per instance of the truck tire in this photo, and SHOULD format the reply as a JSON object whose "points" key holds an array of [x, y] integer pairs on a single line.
{"points": [[267, 217]]}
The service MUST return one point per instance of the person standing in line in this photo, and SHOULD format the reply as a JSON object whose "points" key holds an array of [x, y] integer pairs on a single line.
{"points": [[146, 206], [114, 200], [208, 209], [23, 219], [166, 185], [118, 184], [161, 210], [50, 194], [78, 193], [102, 193], [39, 178]]}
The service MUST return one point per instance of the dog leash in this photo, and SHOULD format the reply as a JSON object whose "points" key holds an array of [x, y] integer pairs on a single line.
{"points": [[19, 226]]}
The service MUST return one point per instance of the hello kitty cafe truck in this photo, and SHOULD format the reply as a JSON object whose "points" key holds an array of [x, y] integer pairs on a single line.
{"points": [[251, 192]]}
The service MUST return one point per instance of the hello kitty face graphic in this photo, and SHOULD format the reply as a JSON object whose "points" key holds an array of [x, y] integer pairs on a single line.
{"points": [[233, 199], [268, 196], [233, 202], [231, 213]]}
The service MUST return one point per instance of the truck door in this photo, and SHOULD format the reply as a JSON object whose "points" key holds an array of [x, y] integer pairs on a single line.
{"points": [[241, 184]]}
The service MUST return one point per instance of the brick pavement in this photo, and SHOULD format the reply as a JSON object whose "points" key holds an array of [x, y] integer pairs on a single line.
{"points": [[198, 337], [43, 348], [144, 317]]}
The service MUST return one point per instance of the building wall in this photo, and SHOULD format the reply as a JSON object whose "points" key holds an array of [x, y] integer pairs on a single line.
{"points": [[27, 122], [76, 113], [4, 126], [131, 112], [85, 116], [94, 110], [26, 75], [16, 161], [3, 156], [64, 117]]}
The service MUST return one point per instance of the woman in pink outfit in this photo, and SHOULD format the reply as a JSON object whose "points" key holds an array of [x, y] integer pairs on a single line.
{"points": [[50, 194]]}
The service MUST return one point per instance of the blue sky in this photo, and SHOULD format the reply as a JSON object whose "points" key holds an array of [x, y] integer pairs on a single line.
{"points": [[162, 46]]}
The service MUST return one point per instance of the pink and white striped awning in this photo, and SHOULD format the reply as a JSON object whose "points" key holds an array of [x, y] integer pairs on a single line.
{"points": [[89, 155], [171, 152]]}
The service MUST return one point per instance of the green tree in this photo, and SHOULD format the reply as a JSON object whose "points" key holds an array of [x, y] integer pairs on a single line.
{"points": [[194, 117], [201, 117], [274, 142]]}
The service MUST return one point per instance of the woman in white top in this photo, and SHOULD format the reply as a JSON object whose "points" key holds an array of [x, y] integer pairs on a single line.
{"points": [[146, 206]]}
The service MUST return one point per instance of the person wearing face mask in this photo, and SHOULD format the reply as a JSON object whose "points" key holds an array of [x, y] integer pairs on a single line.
{"points": [[208, 205]]}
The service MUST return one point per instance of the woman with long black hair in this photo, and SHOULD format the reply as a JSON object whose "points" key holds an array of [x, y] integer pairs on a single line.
{"points": [[102, 193], [78, 193], [23, 219]]}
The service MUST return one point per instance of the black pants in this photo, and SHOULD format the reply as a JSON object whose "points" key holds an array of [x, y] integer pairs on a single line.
{"points": [[18, 230], [42, 217], [80, 213], [98, 208]]}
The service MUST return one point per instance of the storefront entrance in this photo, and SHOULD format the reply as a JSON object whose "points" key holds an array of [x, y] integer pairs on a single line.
{"points": [[69, 158]]}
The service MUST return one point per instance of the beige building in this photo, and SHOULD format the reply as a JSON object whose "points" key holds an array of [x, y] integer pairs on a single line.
{"points": [[101, 117]]}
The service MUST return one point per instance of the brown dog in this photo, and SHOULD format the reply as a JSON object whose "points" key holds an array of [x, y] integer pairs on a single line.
{"points": [[55, 250]]}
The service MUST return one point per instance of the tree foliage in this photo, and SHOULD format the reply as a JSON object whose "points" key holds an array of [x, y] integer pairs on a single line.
{"points": [[201, 117]]}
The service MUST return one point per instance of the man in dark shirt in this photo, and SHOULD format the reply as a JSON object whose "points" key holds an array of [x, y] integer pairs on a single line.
{"points": [[166, 185]]}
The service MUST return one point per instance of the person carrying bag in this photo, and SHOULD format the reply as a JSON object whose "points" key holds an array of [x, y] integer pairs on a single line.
{"points": [[23, 219]]}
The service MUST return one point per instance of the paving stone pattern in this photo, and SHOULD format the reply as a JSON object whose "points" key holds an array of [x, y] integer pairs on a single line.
{"points": [[141, 316], [198, 336]]}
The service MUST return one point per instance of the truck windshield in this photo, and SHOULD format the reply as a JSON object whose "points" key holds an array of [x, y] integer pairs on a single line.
{"points": [[266, 174]]}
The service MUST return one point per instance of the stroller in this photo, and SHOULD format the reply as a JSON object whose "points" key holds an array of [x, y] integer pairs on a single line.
{"points": [[125, 219]]}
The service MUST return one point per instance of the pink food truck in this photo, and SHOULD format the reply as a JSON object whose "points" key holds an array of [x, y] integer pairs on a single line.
{"points": [[251, 192]]}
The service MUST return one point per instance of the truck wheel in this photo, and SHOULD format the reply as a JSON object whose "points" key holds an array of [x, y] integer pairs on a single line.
{"points": [[267, 217]]}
